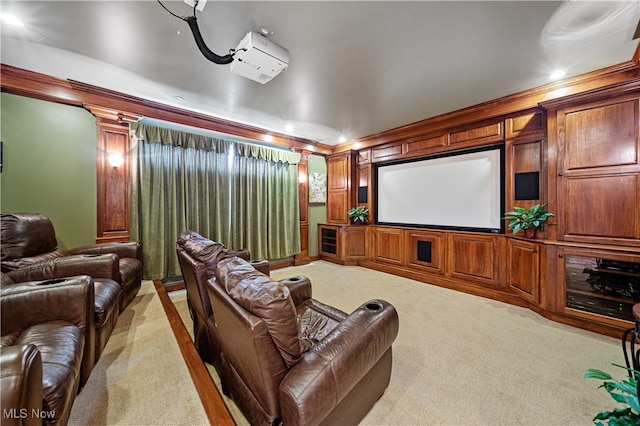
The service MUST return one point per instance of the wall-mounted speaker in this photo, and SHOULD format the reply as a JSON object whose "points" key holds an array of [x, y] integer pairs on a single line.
{"points": [[424, 251], [527, 186], [363, 194]]}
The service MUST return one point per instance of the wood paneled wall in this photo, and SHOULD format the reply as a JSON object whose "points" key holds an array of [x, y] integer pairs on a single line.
{"points": [[584, 150]]}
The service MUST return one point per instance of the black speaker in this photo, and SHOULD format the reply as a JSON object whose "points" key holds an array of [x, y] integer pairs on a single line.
{"points": [[362, 194], [527, 186], [424, 251]]}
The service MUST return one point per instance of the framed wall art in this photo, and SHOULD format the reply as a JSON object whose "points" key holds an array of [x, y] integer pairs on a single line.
{"points": [[317, 188]]}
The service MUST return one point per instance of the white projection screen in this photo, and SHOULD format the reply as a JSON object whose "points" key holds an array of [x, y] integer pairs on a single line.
{"points": [[452, 191]]}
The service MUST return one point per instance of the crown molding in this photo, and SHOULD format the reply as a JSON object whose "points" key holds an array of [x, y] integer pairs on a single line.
{"points": [[116, 105], [527, 99]]}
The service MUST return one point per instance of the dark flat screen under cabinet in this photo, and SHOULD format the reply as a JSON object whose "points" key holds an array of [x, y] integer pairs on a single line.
{"points": [[602, 286]]}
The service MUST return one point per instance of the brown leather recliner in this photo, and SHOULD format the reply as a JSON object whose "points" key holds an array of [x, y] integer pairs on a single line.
{"points": [[55, 317], [106, 292], [29, 239], [287, 357], [198, 257]]}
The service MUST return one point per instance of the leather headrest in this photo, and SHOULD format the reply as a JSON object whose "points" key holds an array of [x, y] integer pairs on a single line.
{"points": [[264, 298], [26, 234], [202, 249]]}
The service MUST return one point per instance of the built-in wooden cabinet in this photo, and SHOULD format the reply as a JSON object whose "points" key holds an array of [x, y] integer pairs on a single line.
{"points": [[524, 160], [598, 284], [340, 177], [597, 175], [465, 261], [579, 154], [388, 245], [474, 257], [425, 250], [346, 245], [524, 269]]}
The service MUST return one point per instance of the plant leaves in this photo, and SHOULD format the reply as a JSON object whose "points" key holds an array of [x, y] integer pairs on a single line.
{"points": [[592, 373]]}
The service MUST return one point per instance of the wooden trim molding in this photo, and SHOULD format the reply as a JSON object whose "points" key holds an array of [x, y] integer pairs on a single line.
{"points": [[302, 258], [40, 86], [214, 406], [520, 101]]}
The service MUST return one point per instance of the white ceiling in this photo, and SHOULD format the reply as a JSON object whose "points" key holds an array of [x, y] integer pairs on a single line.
{"points": [[356, 67]]}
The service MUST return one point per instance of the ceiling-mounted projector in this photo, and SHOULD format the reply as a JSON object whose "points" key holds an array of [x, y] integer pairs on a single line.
{"points": [[258, 58]]}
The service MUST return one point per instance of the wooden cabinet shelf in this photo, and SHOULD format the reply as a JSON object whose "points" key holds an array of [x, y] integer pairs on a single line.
{"points": [[344, 244], [601, 283]]}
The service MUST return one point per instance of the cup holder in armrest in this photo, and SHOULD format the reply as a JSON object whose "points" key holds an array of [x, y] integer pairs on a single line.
{"points": [[373, 306], [49, 282], [294, 279]]}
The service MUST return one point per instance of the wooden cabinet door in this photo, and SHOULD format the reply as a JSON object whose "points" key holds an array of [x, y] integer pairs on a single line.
{"points": [[599, 172], [355, 243], [524, 269], [473, 257], [339, 179], [388, 245], [425, 250]]}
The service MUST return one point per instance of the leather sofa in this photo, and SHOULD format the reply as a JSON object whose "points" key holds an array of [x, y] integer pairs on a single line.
{"points": [[47, 335], [106, 302], [29, 240], [292, 359], [198, 257]]}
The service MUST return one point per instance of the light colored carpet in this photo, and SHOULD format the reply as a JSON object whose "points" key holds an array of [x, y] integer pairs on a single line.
{"points": [[141, 378], [465, 360]]}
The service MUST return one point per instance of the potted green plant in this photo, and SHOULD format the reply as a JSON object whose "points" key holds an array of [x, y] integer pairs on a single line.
{"points": [[528, 220], [624, 392], [358, 214]]}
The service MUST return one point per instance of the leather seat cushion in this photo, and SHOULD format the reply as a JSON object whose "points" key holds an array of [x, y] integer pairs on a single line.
{"points": [[316, 321], [266, 299], [61, 346], [107, 294]]}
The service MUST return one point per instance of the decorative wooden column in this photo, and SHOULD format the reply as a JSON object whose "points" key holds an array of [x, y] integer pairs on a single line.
{"points": [[302, 258], [113, 183]]}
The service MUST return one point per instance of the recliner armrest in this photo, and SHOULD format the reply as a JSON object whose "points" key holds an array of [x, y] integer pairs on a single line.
{"points": [[124, 249], [21, 384], [299, 287], [94, 265], [336, 364]]}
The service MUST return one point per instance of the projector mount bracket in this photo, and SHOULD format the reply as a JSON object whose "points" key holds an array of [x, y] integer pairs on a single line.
{"points": [[193, 25]]}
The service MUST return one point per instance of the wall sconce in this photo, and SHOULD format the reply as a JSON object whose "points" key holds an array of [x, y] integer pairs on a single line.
{"points": [[115, 159], [302, 177]]}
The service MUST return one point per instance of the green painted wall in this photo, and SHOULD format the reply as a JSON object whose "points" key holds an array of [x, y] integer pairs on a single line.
{"points": [[317, 214], [49, 165]]}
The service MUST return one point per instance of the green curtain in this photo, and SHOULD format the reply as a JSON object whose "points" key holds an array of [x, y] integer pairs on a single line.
{"points": [[243, 195]]}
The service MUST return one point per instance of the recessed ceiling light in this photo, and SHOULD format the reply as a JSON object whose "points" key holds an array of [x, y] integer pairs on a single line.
{"points": [[289, 127], [342, 139], [556, 75], [12, 20], [179, 98]]}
